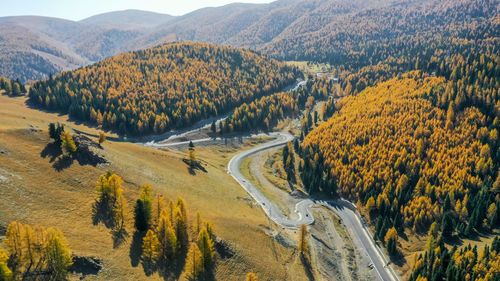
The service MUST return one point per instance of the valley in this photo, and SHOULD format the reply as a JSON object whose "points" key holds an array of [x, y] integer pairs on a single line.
{"points": [[290, 140]]}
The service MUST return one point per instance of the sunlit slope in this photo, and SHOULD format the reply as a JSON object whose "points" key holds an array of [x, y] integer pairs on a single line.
{"points": [[407, 161], [163, 88]]}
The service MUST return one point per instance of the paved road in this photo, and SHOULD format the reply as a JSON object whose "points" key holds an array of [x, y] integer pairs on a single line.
{"points": [[346, 210], [304, 215]]}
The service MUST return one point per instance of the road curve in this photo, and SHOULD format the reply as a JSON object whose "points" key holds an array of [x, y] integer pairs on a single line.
{"points": [[345, 209], [304, 215]]}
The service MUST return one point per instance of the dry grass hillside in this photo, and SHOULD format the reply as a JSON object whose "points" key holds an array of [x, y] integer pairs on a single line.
{"points": [[33, 191]]}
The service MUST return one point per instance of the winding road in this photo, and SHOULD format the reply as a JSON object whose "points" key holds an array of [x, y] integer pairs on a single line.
{"points": [[345, 209]]}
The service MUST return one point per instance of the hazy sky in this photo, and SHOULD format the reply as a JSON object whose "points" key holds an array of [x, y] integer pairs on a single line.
{"points": [[80, 9]]}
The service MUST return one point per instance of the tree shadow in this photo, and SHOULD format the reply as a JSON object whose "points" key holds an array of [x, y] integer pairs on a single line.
{"points": [[84, 155], [148, 267], [307, 267], [86, 266], [193, 167], [398, 259], [62, 162], [101, 213], [52, 150], [135, 251], [119, 236]]}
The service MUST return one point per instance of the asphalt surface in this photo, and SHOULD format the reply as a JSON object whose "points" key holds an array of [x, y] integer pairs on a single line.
{"points": [[345, 209], [304, 215]]}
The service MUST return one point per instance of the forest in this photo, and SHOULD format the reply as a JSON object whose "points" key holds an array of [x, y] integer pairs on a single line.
{"points": [[162, 88], [266, 112], [397, 35], [416, 141], [407, 161], [12, 87], [467, 263]]}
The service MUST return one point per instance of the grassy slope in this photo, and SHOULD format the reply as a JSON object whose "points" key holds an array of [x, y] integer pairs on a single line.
{"points": [[34, 192]]}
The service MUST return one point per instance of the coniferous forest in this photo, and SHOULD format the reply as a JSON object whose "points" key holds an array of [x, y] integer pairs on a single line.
{"points": [[162, 88]]}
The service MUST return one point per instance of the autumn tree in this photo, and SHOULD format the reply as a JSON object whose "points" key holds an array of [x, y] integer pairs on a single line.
{"points": [[68, 145], [36, 251], [251, 277], [110, 205], [102, 137], [151, 249], [206, 247], [5, 272], [120, 95], [167, 238], [192, 154], [143, 208], [193, 267], [391, 240], [181, 224], [58, 254]]}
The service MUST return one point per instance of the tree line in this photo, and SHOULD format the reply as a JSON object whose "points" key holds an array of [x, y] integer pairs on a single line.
{"points": [[12, 87], [162, 88]]}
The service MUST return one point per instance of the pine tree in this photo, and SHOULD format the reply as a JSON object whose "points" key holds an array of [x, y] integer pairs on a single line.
{"points": [[167, 238], [181, 224], [450, 116], [150, 248], [55, 131], [206, 246], [59, 257], [143, 209], [102, 137], [193, 268], [68, 145], [110, 201], [492, 215], [391, 239]]}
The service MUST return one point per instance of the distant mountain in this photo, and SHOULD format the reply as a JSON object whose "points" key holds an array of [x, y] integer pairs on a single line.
{"points": [[335, 31], [128, 19]]}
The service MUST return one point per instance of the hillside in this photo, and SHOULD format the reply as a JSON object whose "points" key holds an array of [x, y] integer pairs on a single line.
{"points": [[319, 30], [128, 19], [63, 198], [407, 161], [162, 88]]}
